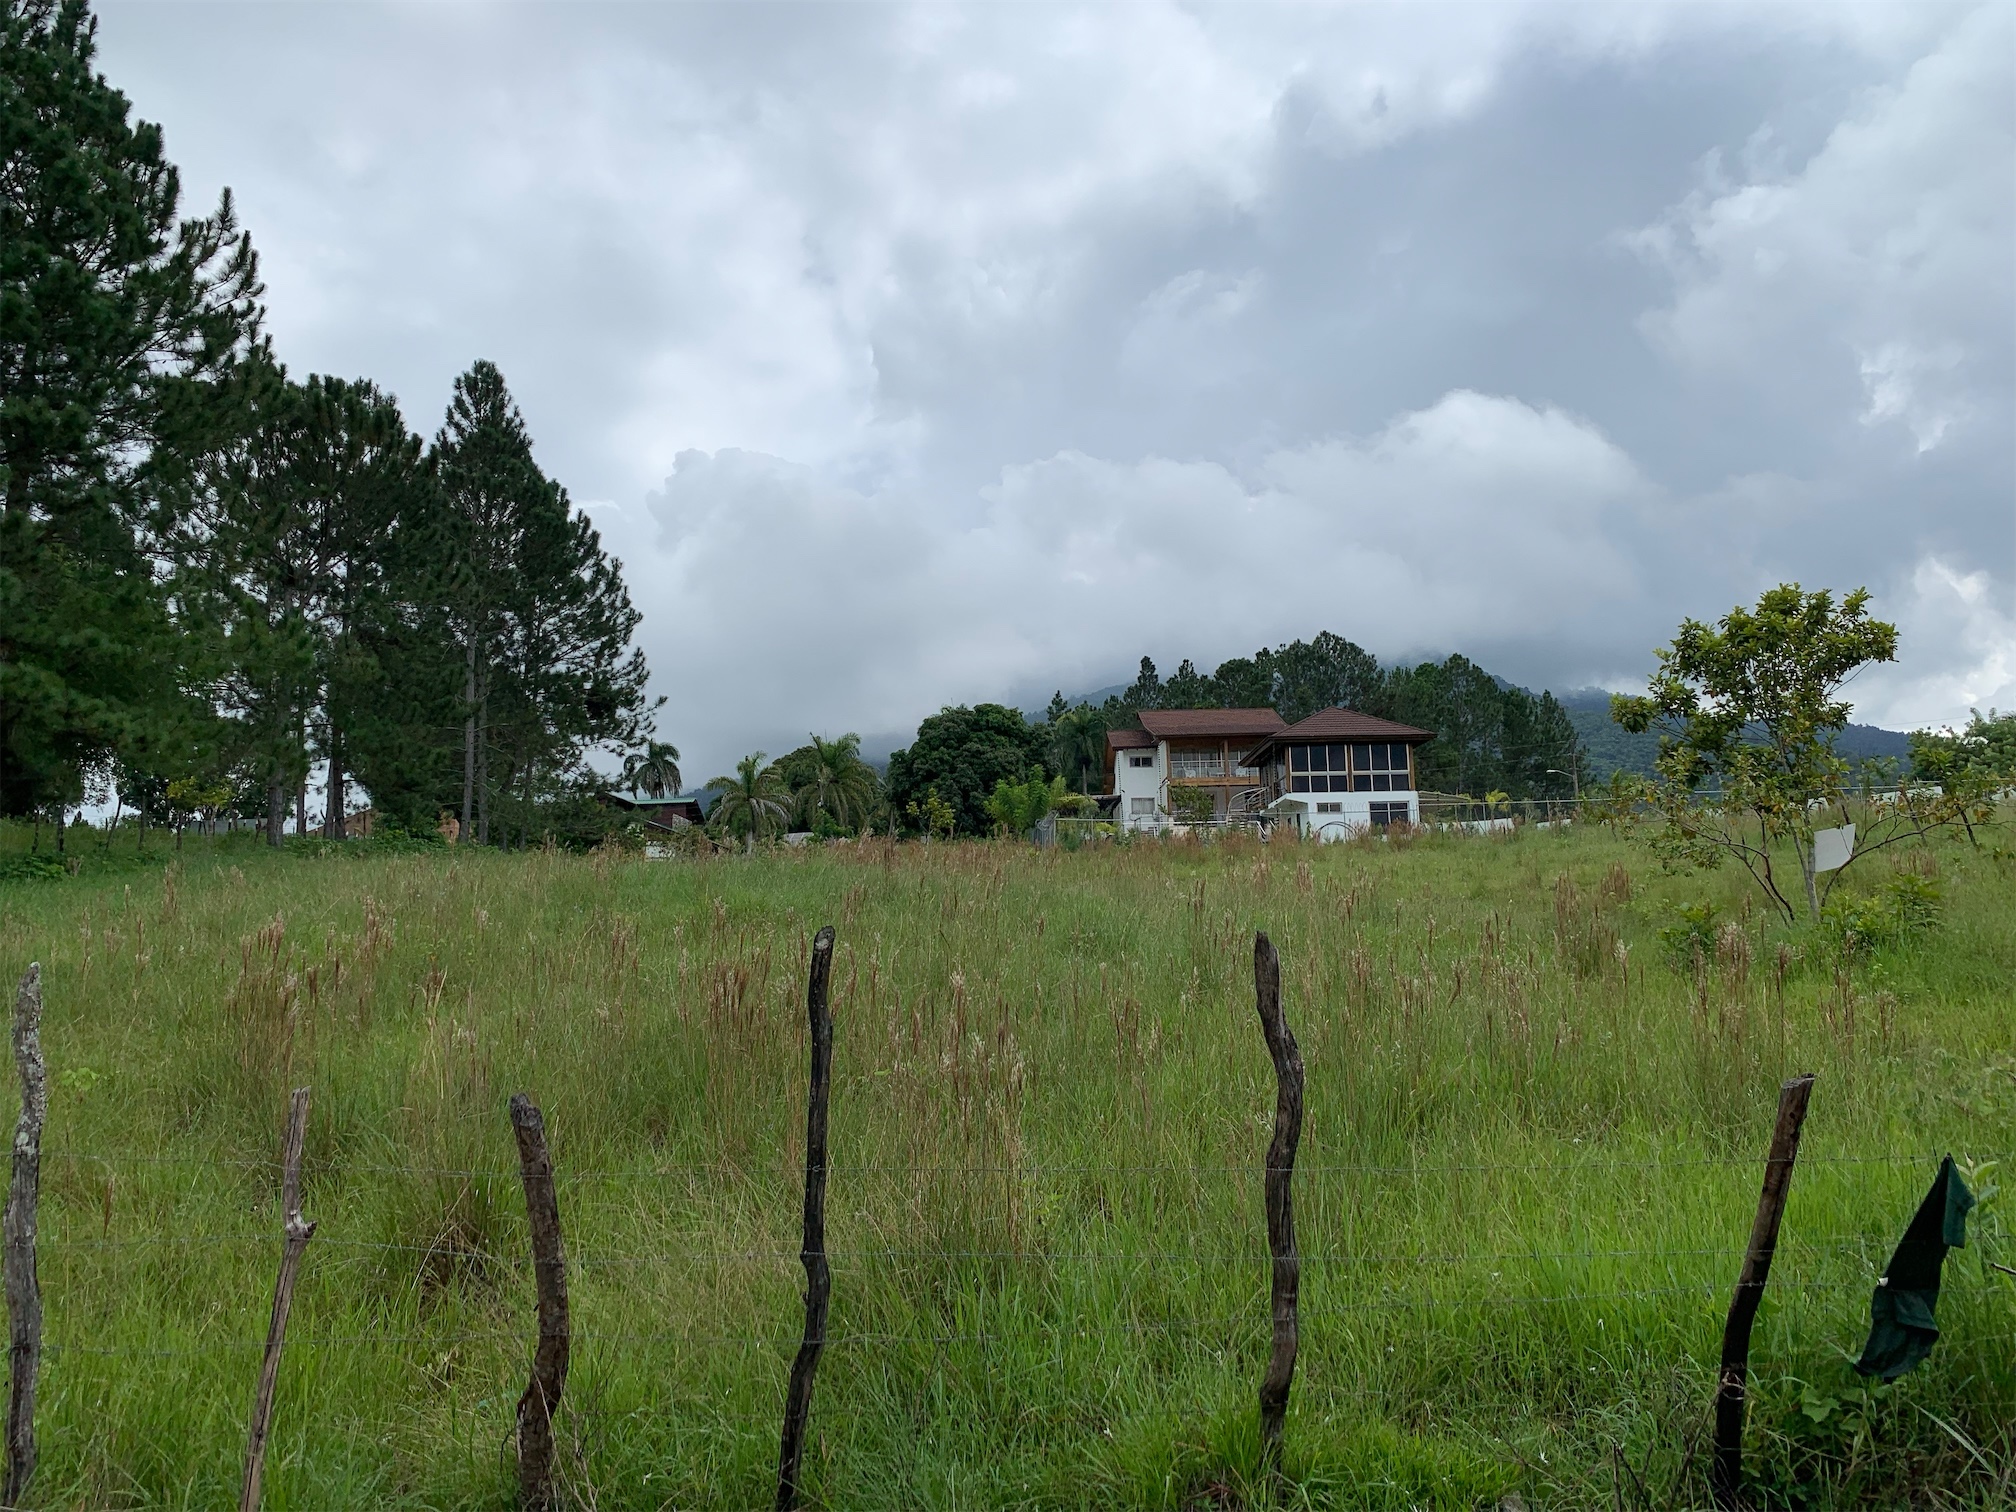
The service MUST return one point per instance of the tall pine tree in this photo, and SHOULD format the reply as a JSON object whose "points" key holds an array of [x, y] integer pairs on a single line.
{"points": [[542, 616], [118, 321], [302, 543]]}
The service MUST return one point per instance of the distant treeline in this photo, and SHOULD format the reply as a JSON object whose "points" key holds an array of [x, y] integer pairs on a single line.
{"points": [[213, 576], [1489, 735]]}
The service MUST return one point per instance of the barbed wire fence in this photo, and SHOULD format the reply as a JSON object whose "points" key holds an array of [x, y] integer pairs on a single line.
{"points": [[1281, 1314]]}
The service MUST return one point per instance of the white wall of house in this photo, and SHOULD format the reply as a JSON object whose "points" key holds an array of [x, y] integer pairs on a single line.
{"points": [[1342, 816], [1143, 789]]}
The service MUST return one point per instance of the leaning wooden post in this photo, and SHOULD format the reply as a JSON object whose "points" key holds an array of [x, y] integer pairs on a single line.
{"points": [[24, 1291], [818, 1276], [1280, 1200], [298, 1234], [549, 1273], [1726, 1472]]}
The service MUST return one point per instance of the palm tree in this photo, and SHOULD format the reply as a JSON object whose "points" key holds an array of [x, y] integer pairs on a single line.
{"points": [[654, 770], [1078, 744], [755, 796], [842, 786]]}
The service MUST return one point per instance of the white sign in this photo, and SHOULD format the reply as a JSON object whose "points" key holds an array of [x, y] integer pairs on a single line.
{"points": [[1832, 848]]}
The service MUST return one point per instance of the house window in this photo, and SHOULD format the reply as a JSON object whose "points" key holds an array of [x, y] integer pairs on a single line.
{"points": [[1342, 768], [1140, 761], [1196, 764], [1144, 807], [1329, 808], [1379, 768], [1384, 814]]}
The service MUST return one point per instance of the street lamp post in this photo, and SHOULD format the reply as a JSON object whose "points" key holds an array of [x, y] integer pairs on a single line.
{"points": [[1573, 777]]}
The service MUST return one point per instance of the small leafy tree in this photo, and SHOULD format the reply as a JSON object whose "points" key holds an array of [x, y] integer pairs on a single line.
{"points": [[1019, 807], [933, 815], [754, 802], [1985, 750], [1748, 710]]}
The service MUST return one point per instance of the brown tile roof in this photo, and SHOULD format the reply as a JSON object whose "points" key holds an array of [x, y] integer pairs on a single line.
{"points": [[1234, 724], [1339, 724], [1128, 740]]}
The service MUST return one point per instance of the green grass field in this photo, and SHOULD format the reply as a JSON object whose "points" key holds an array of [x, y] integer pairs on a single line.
{"points": [[1531, 1158]]}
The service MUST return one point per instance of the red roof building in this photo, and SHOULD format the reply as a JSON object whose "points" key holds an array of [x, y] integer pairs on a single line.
{"points": [[1339, 773], [1184, 764]]}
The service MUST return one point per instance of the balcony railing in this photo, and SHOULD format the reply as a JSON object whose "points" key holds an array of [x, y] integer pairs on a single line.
{"points": [[1196, 764]]}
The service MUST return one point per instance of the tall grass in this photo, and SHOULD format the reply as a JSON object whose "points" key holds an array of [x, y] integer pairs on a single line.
{"points": [[1532, 1151]]}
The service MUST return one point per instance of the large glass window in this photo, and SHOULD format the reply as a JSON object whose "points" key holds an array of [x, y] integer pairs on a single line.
{"points": [[1362, 768]]}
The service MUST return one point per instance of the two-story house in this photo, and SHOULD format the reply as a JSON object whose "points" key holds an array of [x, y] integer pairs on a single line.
{"points": [[1174, 749], [1339, 773]]}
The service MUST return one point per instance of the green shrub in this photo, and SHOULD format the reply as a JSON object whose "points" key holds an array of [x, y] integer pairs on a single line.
{"points": [[1691, 935], [1919, 905], [1862, 922], [32, 868]]}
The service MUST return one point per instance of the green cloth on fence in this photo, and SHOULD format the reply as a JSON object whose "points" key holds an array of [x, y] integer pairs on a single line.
{"points": [[1902, 1327]]}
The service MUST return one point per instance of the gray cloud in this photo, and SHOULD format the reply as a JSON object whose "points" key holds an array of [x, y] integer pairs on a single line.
{"points": [[919, 354]]}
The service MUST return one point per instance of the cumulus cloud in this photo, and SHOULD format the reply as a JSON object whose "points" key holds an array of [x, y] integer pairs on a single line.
{"points": [[916, 353], [1883, 259], [787, 596], [1958, 650]]}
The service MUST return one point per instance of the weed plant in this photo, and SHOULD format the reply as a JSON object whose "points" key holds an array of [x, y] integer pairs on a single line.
{"points": [[1541, 1076]]}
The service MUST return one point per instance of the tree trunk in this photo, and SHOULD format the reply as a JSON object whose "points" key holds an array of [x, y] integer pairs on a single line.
{"points": [[333, 821], [483, 770], [276, 811], [1806, 875], [468, 737]]}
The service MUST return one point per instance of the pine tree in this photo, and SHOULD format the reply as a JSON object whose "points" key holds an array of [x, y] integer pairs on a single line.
{"points": [[1145, 692], [117, 323], [542, 616], [254, 570], [1326, 672], [360, 470]]}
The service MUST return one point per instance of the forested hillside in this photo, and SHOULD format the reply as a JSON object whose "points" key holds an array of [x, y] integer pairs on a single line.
{"points": [[1612, 749]]}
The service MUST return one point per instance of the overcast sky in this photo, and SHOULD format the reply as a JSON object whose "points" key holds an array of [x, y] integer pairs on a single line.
{"points": [[914, 355]]}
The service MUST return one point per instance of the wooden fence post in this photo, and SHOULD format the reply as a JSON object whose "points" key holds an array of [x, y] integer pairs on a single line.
{"points": [[818, 1276], [298, 1234], [1280, 1200], [549, 1272], [24, 1291], [1726, 1471]]}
